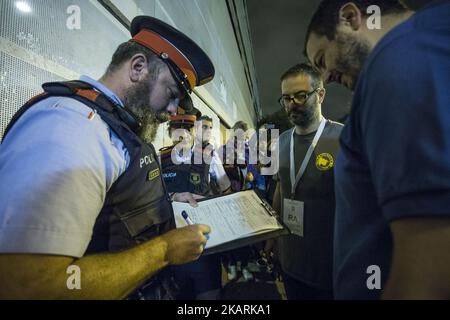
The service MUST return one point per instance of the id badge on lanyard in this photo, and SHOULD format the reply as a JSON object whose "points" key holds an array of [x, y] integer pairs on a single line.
{"points": [[293, 210], [293, 215]]}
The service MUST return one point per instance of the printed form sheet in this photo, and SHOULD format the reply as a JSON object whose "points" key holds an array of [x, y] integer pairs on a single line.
{"points": [[230, 217]]}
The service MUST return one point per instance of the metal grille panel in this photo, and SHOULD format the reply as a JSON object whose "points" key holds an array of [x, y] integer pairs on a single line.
{"points": [[38, 46], [19, 81]]}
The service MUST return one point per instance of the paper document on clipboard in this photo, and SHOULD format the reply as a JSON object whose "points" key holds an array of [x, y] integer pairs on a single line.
{"points": [[236, 220]]}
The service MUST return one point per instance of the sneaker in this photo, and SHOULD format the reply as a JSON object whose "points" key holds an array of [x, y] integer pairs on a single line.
{"points": [[247, 274], [232, 272]]}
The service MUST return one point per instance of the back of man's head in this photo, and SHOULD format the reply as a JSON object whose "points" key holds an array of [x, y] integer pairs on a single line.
{"points": [[240, 125], [326, 17]]}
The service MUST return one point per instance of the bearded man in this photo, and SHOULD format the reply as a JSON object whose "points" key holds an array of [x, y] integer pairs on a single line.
{"points": [[393, 174], [81, 190], [304, 194]]}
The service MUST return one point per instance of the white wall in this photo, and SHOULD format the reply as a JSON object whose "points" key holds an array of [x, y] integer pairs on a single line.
{"points": [[208, 23], [37, 47]]}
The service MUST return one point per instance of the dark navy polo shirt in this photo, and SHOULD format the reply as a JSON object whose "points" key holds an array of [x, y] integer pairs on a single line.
{"points": [[395, 150]]}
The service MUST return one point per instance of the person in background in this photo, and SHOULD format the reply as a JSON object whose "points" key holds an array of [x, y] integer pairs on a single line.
{"points": [[220, 183], [234, 155], [183, 172], [188, 165], [260, 144], [97, 200]]}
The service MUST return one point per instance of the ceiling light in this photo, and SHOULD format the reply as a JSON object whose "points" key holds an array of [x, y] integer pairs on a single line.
{"points": [[23, 6]]}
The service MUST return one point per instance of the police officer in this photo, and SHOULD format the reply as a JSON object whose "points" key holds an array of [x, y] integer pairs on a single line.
{"points": [[219, 181], [189, 164], [305, 191], [80, 183]]}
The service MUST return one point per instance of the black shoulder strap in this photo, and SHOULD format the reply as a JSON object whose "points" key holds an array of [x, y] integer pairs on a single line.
{"points": [[83, 92], [66, 88], [165, 154], [81, 89]]}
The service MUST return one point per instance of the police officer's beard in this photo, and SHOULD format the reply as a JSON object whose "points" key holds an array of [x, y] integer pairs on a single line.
{"points": [[136, 99], [303, 116], [352, 53]]}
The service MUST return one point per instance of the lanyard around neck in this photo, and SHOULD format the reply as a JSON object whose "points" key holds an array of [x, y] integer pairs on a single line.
{"points": [[301, 171]]}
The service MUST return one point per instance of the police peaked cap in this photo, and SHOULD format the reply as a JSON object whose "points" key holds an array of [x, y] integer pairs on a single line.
{"points": [[182, 121], [192, 65]]}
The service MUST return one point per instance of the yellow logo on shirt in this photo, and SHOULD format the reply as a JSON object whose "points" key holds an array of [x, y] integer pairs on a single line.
{"points": [[324, 161], [152, 175]]}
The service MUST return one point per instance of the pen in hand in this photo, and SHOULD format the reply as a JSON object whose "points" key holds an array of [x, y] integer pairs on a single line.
{"points": [[189, 221]]}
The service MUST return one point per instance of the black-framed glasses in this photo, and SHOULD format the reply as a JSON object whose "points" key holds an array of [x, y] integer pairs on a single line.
{"points": [[299, 97]]}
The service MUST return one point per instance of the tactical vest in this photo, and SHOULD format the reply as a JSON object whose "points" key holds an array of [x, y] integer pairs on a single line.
{"points": [[187, 177], [137, 207]]}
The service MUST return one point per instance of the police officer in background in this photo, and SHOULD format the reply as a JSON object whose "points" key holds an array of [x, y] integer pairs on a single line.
{"points": [[219, 182], [97, 200], [189, 164], [187, 167]]}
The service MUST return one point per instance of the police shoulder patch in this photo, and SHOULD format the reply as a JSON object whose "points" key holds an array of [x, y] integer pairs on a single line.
{"points": [[166, 151], [153, 174]]}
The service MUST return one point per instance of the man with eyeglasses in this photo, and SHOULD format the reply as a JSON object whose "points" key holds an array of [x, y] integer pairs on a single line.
{"points": [[304, 194]]}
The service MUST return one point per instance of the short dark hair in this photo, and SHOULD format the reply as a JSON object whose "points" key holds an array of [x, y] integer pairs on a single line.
{"points": [[304, 69], [205, 117], [240, 125], [127, 50], [326, 17]]}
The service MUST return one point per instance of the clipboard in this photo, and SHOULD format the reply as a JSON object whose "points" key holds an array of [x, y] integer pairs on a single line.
{"points": [[243, 220]]}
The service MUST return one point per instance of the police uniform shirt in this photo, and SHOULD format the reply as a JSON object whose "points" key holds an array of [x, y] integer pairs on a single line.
{"points": [[309, 258], [215, 168], [56, 166]]}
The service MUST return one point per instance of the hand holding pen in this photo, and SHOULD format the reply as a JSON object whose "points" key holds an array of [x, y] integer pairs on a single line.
{"points": [[186, 244], [190, 222]]}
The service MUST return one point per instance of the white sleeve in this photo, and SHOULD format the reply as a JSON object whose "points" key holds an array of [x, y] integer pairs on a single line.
{"points": [[56, 166], [216, 168]]}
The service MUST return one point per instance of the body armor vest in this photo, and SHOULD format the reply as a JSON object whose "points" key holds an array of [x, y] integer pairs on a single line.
{"points": [[137, 207]]}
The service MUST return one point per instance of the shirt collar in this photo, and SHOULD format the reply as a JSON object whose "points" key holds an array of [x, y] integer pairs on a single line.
{"points": [[103, 89]]}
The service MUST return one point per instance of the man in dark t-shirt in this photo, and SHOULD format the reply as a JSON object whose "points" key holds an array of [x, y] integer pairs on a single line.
{"points": [[393, 170], [304, 196]]}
